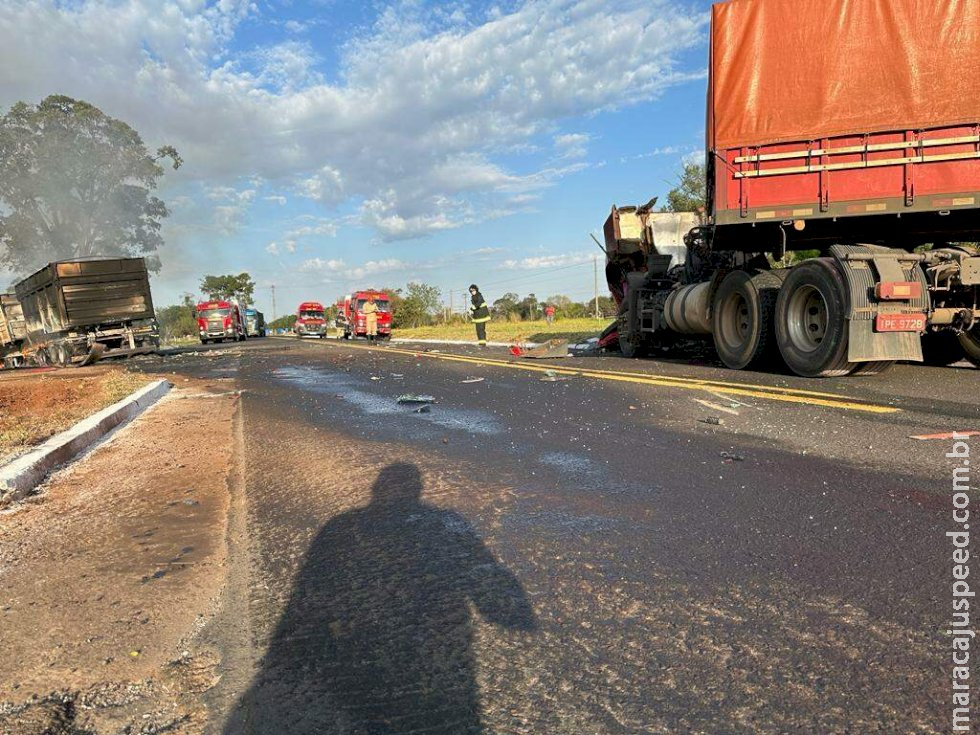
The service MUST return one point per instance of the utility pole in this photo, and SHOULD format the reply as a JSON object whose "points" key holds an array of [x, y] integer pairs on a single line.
{"points": [[595, 284], [273, 289], [450, 304]]}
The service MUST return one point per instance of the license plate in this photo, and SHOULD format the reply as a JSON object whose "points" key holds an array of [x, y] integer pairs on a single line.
{"points": [[900, 323]]}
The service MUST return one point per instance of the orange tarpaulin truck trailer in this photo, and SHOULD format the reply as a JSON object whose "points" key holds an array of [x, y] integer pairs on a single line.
{"points": [[823, 110], [851, 127]]}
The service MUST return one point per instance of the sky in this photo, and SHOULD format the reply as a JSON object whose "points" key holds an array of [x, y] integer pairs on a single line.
{"points": [[332, 145]]}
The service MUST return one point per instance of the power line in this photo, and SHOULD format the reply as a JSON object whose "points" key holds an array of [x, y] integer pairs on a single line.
{"points": [[534, 275]]}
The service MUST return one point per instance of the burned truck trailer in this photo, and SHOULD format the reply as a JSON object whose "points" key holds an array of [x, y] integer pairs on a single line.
{"points": [[73, 310], [834, 126]]}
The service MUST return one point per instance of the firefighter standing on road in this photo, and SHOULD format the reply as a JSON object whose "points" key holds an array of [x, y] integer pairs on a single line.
{"points": [[370, 310], [480, 314]]}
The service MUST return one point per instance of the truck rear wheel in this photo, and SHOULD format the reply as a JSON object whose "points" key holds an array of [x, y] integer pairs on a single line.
{"points": [[61, 355], [631, 345], [970, 342], [811, 323], [873, 368], [742, 319]]}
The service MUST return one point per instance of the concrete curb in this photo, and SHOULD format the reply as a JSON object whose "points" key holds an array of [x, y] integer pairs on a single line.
{"points": [[23, 474]]}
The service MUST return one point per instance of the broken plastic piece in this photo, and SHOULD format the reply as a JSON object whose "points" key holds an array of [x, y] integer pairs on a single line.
{"points": [[712, 420], [410, 398]]}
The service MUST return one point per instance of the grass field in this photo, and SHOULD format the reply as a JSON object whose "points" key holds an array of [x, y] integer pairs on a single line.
{"points": [[573, 330]]}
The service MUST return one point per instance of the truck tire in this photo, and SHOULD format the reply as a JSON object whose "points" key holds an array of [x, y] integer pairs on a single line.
{"points": [[61, 355], [631, 347], [742, 316], [970, 342], [872, 368], [940, 349], [811, 320]]}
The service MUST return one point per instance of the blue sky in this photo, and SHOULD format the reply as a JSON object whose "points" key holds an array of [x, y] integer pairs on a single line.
{"points": [[332, 145]]}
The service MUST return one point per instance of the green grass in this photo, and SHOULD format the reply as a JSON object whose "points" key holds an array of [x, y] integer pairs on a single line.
{"points": [[574, 330]]}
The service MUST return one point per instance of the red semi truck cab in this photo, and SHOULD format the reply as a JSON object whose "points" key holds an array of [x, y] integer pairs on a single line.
{"points": [[220, 320], [353, 321], [310, 320]]}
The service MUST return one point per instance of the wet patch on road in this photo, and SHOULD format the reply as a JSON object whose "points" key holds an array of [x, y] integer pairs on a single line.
{"points": [[350, 389], [572, 463]]}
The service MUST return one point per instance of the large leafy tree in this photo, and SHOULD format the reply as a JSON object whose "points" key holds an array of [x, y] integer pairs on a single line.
{"points": [[75, 182], [240, 287], [419, 302], [690, 194]]}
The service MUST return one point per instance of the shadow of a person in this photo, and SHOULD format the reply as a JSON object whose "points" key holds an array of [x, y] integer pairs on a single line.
{"points": [[377, 636]]}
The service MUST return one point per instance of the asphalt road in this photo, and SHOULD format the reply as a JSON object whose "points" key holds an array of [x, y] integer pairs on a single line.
{"points": [[586, 551]]}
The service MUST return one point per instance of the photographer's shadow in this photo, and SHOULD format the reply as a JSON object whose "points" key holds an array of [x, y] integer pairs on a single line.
{"points": [[377, 637]]}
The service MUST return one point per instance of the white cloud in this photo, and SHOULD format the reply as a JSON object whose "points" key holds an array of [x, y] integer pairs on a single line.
{"points": [[572, 145], [548, 261], [276, 198], [334, 269], [321, 228], [407, 132], [232, 205]]}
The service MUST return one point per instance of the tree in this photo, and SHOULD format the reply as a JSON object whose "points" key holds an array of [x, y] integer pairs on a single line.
{"points": [[240, 287], [690, 194], [417, 306], [283, 322], [75, 182], [529, 307], [506, 305], [178, 320]]}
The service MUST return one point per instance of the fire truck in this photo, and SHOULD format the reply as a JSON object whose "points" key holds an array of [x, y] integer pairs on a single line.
{"points": [[310, 320], [352, 321], [220, 320]]}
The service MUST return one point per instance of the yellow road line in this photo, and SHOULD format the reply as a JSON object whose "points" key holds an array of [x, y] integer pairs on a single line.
{"points": [[785, 395]]}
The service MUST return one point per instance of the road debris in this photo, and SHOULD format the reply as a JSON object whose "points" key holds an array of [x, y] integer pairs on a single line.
{"points": [[473, 380], [716, 407], [553, 348], [550, 376], [732, 457], [712, 420], [947, 435], [410, 398], [731, 401], [423, 409]]}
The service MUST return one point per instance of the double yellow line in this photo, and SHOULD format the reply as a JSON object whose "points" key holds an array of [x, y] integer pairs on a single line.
{"points": [[747, 390]]}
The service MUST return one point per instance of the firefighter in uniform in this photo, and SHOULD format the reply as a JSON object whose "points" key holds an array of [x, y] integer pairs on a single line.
{"points": [[480, 314], [370, 310]]}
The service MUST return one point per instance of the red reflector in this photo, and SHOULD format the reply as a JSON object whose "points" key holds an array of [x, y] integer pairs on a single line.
{"points": [[900, 323], [898, 290]]}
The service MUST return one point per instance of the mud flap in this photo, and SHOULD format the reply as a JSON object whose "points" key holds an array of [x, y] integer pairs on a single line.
{"points": [[864, 267]]}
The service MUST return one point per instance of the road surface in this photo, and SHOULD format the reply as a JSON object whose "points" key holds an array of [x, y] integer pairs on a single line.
{"points": [[589, 545], [614, 547]]}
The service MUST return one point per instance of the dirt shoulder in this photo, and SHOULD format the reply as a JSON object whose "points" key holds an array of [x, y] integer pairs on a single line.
{"points": [[108, 575], [35, 405]]}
